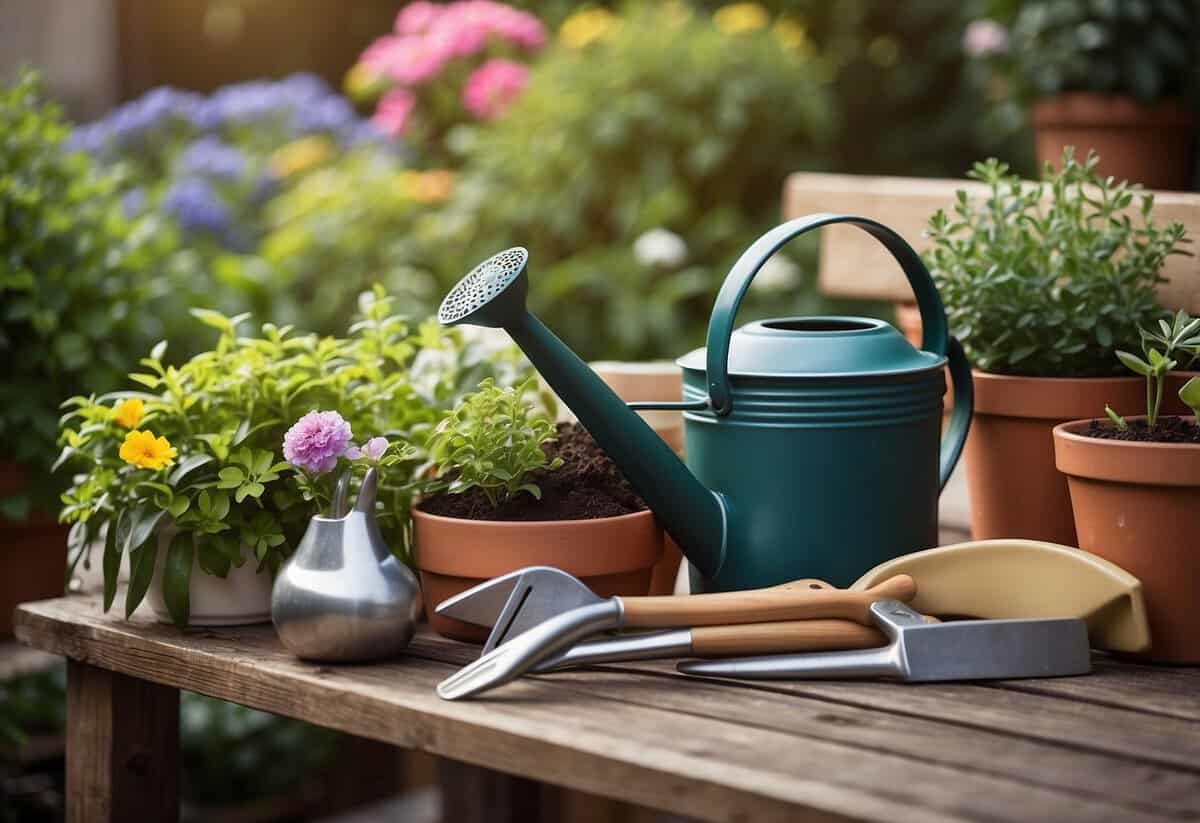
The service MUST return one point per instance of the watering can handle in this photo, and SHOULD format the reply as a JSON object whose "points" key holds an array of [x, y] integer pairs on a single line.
{"points": [[935, 339]]}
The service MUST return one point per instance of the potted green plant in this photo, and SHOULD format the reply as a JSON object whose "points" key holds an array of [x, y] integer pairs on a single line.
{"points": [[206, 478], [1041, 281], [513, 489], [74, 297], [1114, 77], [1135, 491]]}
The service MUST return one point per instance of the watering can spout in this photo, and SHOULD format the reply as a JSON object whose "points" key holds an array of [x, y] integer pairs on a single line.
{"points": [[493, 295]]}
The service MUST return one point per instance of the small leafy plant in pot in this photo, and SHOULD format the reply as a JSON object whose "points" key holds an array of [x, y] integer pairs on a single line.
{"points": [[512, 489], [1041, 281], [1135, 490]]}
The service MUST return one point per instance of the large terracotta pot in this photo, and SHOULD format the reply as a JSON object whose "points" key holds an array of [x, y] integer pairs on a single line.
{"points": [[1138, 505], [1014, 487], [33, 554], [1151, 145], [612, 555]]}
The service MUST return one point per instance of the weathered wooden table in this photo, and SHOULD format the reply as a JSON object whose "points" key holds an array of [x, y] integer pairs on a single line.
{"points": [[1122, 744]]}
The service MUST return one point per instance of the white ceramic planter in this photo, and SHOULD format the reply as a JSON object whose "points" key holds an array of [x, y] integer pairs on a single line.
{"points": [[240, 598]]}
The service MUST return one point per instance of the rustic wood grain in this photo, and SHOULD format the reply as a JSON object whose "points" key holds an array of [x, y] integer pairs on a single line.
{"points": [[853, 264], [122, 747], [712, 751]]}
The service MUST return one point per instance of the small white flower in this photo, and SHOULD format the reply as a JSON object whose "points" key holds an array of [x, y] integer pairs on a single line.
{"points": [[777, 274], [983, 38], [660, 247]]}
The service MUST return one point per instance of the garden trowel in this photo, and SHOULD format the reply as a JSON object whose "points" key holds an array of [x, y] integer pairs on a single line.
{"points": [[924, 652]]}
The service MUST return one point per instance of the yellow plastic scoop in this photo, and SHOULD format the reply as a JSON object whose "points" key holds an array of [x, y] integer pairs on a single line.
{"points": [[1025, 579]]}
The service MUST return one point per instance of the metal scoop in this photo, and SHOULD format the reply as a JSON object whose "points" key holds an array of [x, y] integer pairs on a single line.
{"points": [[924, 652]]}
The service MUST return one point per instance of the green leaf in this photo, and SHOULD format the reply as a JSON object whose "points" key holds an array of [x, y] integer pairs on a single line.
{"points": [[1135, 363], [1117, 419], [177, 575], [231, 477], [1190, 395], [144, 519], [186, 466], [111, 563], [141, 572], [211, 559]]}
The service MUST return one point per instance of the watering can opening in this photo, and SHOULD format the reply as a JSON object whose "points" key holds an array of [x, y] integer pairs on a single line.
{"points": [[820, 324]]}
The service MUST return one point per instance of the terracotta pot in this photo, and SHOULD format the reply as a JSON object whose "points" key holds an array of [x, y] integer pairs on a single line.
{"points": [[1151, 145], [1171, 404], [1138, 505], [654, 380], [612, 555], [1015, 489], [33, 554], [240, 598]]}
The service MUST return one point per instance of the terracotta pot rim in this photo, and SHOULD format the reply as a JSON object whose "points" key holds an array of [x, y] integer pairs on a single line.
{"points": [[1124, 461], [1083, 108], [1053, 398], [519, 524]]}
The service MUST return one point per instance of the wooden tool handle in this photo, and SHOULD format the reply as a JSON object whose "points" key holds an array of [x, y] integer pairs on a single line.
{"points": [[764, 605], [786, 636]]}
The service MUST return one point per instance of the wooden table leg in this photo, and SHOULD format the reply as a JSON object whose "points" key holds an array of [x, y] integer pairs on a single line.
{"points": [[122, 747], [473, 794]]}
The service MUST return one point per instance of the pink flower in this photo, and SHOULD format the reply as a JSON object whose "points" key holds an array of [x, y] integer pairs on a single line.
{"points": [[372, 450], [417, 17], [392, 113], [983, 38], [316, 441], [493, 87]]}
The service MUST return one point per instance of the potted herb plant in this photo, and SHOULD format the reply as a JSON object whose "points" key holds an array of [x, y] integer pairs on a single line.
{"points": [[1135, 491], [1114, 77], [513, 489], [1040, 282], [207, 477]]}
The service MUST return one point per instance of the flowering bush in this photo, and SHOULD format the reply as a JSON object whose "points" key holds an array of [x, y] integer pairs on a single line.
{"points": [[213, 165], [75, 302], [446, 64], [200, 447], [646, 153]]}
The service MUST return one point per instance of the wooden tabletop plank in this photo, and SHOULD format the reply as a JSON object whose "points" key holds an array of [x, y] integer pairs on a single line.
{"points": [[668, 748]]}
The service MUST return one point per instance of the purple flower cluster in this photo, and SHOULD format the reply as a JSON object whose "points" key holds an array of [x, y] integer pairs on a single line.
{"points": [[316, 441], [134, 124], [195, 204], [210, 157]]}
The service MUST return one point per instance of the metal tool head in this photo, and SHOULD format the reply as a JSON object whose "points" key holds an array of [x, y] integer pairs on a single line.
{"points": [[518, 601], [491, 294], [521, 655], [923, 652]]}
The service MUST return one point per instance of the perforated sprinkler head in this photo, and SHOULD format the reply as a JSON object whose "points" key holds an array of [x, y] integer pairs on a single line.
{"points": [[492, 294]]}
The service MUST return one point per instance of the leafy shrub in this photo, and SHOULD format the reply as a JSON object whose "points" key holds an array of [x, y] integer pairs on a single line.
{"points": [[1048, 286], [492, 441], [201, 447], [660, 123], [76, 284]]}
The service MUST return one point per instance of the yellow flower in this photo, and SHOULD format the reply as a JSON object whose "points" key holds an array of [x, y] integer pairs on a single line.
{"points": [[791, 35], [144, 450], [301, 155], [432, 186], [737, 18], [361, 83], [129, 413], [583, 28]]}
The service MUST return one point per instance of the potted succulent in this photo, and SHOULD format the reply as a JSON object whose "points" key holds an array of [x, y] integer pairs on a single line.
{"points": [[1040, 282], [206, 478], [513, 489], [73, 301], [1135, 491], [1114, 77]]}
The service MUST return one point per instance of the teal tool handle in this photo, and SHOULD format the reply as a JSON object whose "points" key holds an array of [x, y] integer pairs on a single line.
{"points": [[935, 339]]}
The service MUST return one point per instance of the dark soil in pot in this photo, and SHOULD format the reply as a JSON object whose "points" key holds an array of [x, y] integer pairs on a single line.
{"points": [[588, 485], [1167, 430]]}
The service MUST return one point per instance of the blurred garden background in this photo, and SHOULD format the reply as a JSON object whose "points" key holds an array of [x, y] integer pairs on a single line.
{"points": [[282, 157]]}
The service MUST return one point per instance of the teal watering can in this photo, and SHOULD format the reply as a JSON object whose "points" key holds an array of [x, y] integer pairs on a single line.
{"points": [[812, 442]]}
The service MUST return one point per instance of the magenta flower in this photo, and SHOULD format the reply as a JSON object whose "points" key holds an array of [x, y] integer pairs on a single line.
{"points": [[316, 441], [415, 18], [984, 37], [392, 114], [493, 87], [372, 450]]}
